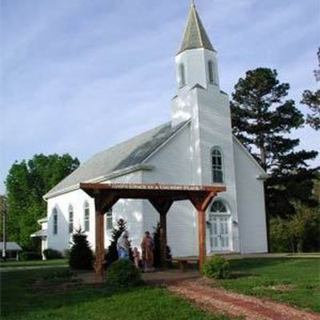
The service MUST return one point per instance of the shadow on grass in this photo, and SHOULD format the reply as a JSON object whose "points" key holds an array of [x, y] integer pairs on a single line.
{"points": [[239, 274], [22, 301], [26, 291]]}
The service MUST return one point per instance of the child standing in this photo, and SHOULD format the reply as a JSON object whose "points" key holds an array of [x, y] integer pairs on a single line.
{"points": [[136, 257]]}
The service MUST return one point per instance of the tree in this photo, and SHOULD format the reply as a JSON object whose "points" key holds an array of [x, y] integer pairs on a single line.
{"points": [[298, 233], [26, 184], [81, 256], [262, 119], [312, 100], [157, 249]]}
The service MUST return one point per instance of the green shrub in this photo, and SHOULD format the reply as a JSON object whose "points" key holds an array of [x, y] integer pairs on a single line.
{"points": [[28, 255], [81, 256], [217, 267], [123, 273], [52, 254]]}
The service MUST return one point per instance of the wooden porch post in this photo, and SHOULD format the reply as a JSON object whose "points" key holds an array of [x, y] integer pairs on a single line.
{"points": [[100, 251], [163, 239], [162, 205], [201, 203], [202, 237]]}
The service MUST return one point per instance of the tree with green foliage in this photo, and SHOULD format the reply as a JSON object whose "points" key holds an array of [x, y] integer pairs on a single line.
{"points": [[26, 184], [312, 100], [262, 119], [81, 256], [298, 233]]}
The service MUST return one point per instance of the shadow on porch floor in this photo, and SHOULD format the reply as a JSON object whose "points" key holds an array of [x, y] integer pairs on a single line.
{"points": [[159, 277]]}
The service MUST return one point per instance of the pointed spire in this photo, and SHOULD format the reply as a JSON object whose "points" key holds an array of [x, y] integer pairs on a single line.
{"points": [[195, 35]]}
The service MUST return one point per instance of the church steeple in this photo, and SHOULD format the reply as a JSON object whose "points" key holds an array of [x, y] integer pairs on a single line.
{"points": [[196, 61], [195, 35]]}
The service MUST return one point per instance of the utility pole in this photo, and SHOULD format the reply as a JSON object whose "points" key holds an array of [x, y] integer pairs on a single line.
{"points": [[3, 204]]}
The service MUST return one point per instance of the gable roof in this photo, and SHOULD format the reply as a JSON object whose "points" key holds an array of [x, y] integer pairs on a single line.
{"points": [[195, 35], [11, 246], [125, 155]]}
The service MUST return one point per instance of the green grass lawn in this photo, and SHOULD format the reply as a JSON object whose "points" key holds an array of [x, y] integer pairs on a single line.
{"points": [[289, 280], [35, 263], [20, 299]]}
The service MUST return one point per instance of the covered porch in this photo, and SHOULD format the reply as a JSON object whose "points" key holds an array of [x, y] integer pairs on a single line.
{"points": [[161, 196]]}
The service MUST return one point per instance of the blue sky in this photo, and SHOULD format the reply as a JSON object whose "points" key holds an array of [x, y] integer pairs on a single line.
{"points": [[79, 76]]}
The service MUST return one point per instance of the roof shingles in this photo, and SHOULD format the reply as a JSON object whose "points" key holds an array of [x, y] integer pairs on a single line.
{"points": [[124, 155], [195, 35]]}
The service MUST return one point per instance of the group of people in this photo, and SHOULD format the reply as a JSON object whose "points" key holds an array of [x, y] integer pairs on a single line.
{"points": [[147, 248]]}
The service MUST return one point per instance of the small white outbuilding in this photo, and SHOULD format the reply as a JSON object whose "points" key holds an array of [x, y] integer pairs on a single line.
{"points": [[12, 250]]}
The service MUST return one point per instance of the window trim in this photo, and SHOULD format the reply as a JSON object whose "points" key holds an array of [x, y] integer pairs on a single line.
{"points": [[224, 203], [210, 72], [86, 216], [71, 218], [182, 75], [55, 221], [213, 170], [109, 216]]}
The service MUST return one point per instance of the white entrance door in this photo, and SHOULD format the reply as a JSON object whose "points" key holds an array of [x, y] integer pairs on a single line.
{"points": [[219, 233]]}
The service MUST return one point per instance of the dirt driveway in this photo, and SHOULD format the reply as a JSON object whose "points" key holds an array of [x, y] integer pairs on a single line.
{"points": [[211, 299]]}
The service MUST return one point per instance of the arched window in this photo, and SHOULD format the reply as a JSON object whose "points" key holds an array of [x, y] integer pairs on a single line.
{"points": [[70, 210], [55, 220], [218, 207], [210, 71], [182, 75], [86, 216], [217, 166], [109, 221]]}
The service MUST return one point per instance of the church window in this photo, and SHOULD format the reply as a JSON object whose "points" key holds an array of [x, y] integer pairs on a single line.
{"points": [[86, 216], [210, 71], [109, 222], [55, 220], [182, 75], [218, 207], [70, 219], [217, 166]]}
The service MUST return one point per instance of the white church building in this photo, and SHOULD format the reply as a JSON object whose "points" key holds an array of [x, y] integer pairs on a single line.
{"points": [[196, 147]]}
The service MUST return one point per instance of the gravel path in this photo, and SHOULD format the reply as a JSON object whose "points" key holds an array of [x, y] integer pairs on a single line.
{"points": [[215, 299]]}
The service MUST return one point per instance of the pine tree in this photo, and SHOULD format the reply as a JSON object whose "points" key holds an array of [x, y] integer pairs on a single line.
{"points": [[81, 256], [262, 119], [312, 100]]}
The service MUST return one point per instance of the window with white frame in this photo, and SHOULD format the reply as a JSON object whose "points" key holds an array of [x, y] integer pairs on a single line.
{"points": [[182, 75], [218, 207], [217, 166], [70, 219], [55, 221], [210, 71], [86, 217], [109, 221]]}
